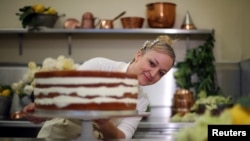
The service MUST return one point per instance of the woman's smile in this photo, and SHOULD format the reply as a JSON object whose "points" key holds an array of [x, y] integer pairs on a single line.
{"points": [[147, 76]]}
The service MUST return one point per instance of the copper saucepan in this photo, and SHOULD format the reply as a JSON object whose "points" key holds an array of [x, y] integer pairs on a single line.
{"points": [[108, 24]]}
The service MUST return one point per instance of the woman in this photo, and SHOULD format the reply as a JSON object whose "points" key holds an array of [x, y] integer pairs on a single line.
{"points": [[150, 63]]}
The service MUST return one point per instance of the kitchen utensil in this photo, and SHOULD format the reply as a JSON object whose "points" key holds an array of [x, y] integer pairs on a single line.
{"points": [[71, 23], [182, 101], [89, 21], [188, 22], [107, 23], [161, 14], [46, 20], [18, 115], [43, 20], [132, 22], [118, 16]]}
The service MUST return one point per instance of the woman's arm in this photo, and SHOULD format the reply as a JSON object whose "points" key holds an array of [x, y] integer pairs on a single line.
{"points": [[124, 127], [109, 130]]}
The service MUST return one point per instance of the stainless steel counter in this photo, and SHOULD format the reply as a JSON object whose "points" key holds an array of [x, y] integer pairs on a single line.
{"points": [[144, 124], [154, 126], [18, 128], [36, 139], [19, 123], [157, 128]]}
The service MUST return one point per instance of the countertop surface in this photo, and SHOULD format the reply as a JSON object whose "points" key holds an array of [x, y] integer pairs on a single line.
{"points": [[155, 127], [154, 122], [41, 139]]}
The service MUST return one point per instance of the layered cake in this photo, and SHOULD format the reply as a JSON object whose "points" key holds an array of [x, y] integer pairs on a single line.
{"points": [[85, 90]]}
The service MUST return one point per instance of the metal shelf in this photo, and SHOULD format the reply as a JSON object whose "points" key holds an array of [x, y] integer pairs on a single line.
{"points": [[107, 31], [69, 32]]}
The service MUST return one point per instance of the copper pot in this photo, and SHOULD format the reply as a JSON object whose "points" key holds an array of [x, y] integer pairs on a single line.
{"points": [[89, 21], [161, 14], [132, 22], [72, 23], [182, 102]]}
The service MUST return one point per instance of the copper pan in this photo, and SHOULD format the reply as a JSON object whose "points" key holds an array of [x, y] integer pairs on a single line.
{"points": [[108, 23]]}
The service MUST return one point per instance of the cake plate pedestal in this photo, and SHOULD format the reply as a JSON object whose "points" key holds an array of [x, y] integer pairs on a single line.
{"points": [[87, 117]]}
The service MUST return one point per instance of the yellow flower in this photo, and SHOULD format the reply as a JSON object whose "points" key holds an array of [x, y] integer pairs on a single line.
{"points": [[240, 115]]}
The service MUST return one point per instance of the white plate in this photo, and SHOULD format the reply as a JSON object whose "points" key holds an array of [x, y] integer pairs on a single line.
{"points": [[88, 115]]}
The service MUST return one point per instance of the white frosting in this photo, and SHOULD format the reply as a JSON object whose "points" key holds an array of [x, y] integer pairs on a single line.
{"points": [[88, 91], [63, 100], [102, 92], [84, 80]]}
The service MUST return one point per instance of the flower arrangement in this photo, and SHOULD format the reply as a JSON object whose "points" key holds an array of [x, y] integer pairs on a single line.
{"points": [[30, 14], [25, 86]]}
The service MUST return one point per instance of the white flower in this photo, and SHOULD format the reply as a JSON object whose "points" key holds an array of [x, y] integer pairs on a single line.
{"points": [[28, 77], [60, 58], [49, 64], [32, 65], [59, 65], [14, 86], [28, 89], [26, 85], [17, 86]]}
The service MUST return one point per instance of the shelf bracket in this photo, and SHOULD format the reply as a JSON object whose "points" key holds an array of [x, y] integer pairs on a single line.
{"points": [[20, 45], [187, 42], [69, 44]]}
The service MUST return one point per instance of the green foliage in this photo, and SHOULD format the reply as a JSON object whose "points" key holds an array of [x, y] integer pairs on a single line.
{"points": [[199, 62], [26, 17], [244, 101], [183, 75]]}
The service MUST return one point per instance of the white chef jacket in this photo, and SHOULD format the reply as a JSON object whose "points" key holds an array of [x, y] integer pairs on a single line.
{"points": [[70, 128]]}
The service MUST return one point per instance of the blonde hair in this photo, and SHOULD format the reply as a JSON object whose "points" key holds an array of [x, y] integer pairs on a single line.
{"points": [[162, 43]]}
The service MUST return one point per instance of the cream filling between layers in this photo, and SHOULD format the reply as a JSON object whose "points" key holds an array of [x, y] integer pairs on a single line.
{"points": [[88, 91], [84, 80], [63, 100]]}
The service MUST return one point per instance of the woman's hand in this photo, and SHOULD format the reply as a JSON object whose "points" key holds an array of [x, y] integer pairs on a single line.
{"points": [[29, 109]]}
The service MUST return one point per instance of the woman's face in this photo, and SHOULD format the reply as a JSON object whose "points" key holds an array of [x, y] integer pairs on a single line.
{"points": [[151, 66]]}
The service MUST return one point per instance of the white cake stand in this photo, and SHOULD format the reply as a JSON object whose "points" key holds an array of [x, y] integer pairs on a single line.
{"points": [[87, 117]]}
